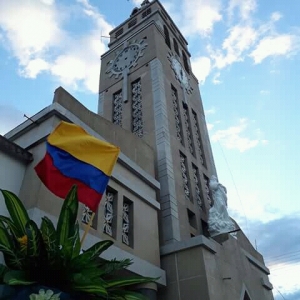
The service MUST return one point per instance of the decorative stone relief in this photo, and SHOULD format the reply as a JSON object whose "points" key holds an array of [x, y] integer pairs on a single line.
{"points": [[207, 190], [108, 214], [125, 59], [197, 187], [184, 177], [177, 117], [198, 139], [137, 113], [86, 215], [117, 108], [125, 225], [188, 132], [218, 219]]}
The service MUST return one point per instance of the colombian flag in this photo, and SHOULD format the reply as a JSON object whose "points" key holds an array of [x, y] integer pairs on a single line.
{"points": [[75, 157]]}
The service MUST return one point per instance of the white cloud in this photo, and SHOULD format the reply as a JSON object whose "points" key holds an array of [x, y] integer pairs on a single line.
{"points": [[199, 16], [137, 2], [209, 126], [48, 2], [276, 16], [284, 283], [249, 38], [264, 92], [216, 79], [235, 137], [34, 67], [29, 36], [79, 67], [210, 111], [283, 44], [240, 39], [201, 68], [40, 43], [244, 7]]}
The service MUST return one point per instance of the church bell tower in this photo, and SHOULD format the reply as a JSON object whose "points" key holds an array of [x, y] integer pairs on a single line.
{"points": [[147, 87]]}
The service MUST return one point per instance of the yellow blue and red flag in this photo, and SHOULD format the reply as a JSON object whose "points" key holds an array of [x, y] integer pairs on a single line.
{"points": [[75, 157]]}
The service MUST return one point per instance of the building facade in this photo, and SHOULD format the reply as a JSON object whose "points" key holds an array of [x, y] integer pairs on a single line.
{"points": [[147, 87], [157, 204]]}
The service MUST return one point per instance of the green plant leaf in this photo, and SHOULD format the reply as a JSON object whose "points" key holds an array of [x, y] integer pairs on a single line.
{"points": [[50, 240], [93, 252], [92, 272], [14, 277], [3, 271], [126, 295], [67, 217], [35, 241], [111, 266], [11, 226], [71, 245], [77, 244], [16, 210], [86, 284], [10, 252], [126, 281], [92, 289]]}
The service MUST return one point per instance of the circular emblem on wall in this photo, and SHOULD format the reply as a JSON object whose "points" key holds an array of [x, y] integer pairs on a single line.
{"points": [[126, 58], [180, 73]]}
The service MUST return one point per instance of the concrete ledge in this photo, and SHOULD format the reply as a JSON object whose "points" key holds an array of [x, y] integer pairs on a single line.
{"points": [[139, 266], [135, 190], [15, 150], [197, 241], [256, 262], [266, 284]]}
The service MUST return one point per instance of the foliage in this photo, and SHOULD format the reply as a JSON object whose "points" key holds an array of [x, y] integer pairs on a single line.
{"points": [[51, 256], [42, 295]]}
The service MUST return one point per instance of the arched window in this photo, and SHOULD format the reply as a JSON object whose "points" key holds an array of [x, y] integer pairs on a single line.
{"points": [[246, 296], [176, 46], [167, 36], [185, 62]]}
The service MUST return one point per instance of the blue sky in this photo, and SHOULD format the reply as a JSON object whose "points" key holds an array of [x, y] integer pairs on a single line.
{"points": [[246, 55]]}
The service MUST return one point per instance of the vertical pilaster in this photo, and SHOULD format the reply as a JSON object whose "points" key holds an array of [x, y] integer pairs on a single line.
{"points": [[169, 209], [101, 103]]}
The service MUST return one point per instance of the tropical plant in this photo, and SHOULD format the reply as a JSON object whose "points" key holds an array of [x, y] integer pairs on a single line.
{"points": [[42, 295], [51, 257]]}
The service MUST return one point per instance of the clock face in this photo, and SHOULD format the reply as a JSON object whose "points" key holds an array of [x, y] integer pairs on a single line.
{"points": [[126, 58], [180, 73]]}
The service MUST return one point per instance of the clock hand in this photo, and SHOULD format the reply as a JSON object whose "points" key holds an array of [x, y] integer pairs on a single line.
{"points": [[125, 85]]}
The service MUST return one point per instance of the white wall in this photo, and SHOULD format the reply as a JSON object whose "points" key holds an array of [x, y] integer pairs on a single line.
{"points": [[11, 176]]}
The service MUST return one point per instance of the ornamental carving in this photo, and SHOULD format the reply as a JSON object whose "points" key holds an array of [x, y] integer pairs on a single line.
{"points": [[117, 108], [86, 215], [197, 187], [137, 113], [198, 138], [126, 224], [187, 127], [184, 177], [177, 116], [108, 213], [206, 188]]}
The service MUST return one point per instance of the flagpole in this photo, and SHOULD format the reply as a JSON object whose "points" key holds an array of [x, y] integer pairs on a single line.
{"points": [[87, 228]]}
